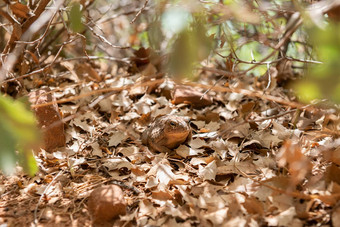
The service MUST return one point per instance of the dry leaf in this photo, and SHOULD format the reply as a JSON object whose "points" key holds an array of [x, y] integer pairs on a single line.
{"points": [[106, 203], [20, 10], [208, 172]]}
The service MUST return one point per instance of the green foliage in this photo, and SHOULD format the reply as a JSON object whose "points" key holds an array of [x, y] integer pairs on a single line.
{"points": [[18, 136], [308, 90], [75, 18], [253, 52], [191, 46], [323, 80]]}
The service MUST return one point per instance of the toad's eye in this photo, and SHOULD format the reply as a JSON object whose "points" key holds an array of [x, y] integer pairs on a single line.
{"points": [[172, 123]]}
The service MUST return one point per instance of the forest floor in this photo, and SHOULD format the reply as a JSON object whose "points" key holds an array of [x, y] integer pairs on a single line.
{"points": [[257, 157]]}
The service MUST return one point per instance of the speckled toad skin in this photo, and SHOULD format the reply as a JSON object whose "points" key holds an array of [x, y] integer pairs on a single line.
{"points": [[167, 132]]}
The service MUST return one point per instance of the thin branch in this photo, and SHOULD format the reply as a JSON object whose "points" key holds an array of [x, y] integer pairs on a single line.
{"points": [[277, 47], [253, 121], [8, 17], [139, 12], [103, 39], [28, 32], [37, 12], [42, 36], [107, 19], [122, 60], [99, 91], [219, 71], [36, 220]]}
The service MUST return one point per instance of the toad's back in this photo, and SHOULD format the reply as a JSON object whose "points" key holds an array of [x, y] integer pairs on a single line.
{"points": [[167, 132]]}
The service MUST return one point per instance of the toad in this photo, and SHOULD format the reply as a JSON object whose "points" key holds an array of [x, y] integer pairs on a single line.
{"points": [[167, 132]]}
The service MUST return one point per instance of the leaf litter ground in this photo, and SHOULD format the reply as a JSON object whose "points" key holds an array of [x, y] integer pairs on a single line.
{"points": [[251, 162]]}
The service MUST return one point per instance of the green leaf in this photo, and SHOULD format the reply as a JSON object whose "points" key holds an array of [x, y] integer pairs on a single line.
{"points": [[308, 91], [191, 46], [75, 18], [7, 150], [336, 94], [326, 76], [18, 136], [27, 161], [254, 51]]}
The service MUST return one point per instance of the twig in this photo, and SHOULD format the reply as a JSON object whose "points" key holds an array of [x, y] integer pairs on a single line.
{"points": [[99, 91], [42, 195], [139, 12], [26, 25], [41, 70], [42, 36], [103, 39], [104, 20], [120, 183], [269, 78], [253, 121], [208, 90], [329, 199], [257, 94], [122, 60], [270, 62], [36, 71], [220, 72], [55, 37], [277, 47], [271, 117], [28, 32], [8, 17]]}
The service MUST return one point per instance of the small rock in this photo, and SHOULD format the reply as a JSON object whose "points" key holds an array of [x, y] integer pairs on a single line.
{"points": [[106, 204], [49, 119], [186, 94]]}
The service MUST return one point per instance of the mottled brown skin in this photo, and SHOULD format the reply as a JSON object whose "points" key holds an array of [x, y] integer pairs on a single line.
{"points": [[167, 132]]}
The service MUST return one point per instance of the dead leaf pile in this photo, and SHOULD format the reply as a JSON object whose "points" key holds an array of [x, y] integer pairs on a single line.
{"points": [[257, 156], [250, 162]]}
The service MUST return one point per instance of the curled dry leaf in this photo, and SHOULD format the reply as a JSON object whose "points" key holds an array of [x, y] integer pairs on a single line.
{"points": [[106, 203], [208, 172], [86, 70], [297, 163], [49, 119], [186, 94]]}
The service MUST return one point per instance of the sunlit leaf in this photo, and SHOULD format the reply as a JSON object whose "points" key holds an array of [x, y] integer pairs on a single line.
{"points": [[326, 75], [75, 18], [18, 135], [336, 94], [191, 46], [308, 91], [27, 161], [7, 150], [253, 52]]}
